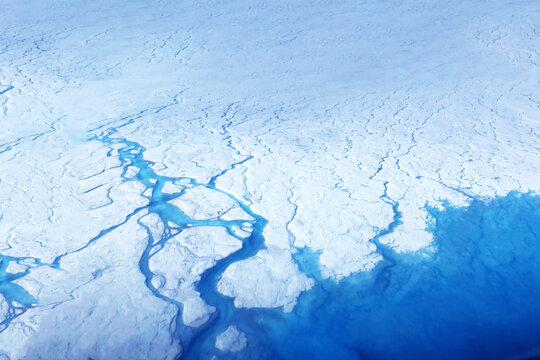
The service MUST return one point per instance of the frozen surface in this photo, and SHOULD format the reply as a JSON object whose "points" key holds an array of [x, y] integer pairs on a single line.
{"points": [[275, 283], [181, 179], [231, 340]]}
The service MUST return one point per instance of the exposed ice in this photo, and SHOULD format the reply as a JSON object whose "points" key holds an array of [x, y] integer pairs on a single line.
{"points": [[4, 307], [182, 260], [231, 340], [277, 281], [202, 203]]}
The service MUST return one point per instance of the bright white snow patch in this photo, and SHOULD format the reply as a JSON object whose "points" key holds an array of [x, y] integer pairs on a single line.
{"points": [[181, 262], [231, 340], [269, 279]]}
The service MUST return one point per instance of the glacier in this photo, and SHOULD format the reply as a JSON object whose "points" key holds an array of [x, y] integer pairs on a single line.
{"points": [[238, 180]]}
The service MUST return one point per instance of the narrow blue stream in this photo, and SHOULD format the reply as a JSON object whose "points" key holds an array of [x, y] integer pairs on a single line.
{"points": [[194, 341]]}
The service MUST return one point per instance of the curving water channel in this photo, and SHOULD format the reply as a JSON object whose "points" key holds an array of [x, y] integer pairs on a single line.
{"points": [[475, 296], [131, 154], [194, 341], [17, 299]]}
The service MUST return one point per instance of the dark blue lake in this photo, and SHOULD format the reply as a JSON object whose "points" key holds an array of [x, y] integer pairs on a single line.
{"points": [[476, 297]]}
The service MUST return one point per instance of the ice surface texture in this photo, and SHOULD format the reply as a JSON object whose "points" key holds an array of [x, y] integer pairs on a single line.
{"points": [[184, 179]]}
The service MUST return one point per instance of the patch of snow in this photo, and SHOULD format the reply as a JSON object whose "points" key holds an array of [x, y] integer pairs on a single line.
{"points": [[183, 259], [202, 203], [269, 279], [231, 340]]}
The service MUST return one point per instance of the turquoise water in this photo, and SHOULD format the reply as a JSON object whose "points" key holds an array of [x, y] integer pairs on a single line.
{"points": [[18, 300], [476, 297], [194, 341]]}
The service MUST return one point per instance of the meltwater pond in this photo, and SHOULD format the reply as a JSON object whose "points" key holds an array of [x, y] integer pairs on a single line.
{"points": [[477, 296]]}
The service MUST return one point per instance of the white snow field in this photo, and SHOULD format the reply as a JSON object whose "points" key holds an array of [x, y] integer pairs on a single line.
{"points": [[141, 142]]}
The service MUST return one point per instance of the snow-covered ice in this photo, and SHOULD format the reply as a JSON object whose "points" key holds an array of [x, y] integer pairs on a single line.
{"points": [[277, 281], [168, 170], [231, 340]]}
